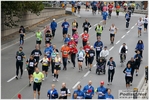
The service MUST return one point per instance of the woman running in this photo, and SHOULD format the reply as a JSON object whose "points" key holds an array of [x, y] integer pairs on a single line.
{"points": [[91, 54], [80, 56], [73, 52], [140, 47], [57, 67], [76, 37], [113, 31], [53, 55], [145, 23], [74, 26]]}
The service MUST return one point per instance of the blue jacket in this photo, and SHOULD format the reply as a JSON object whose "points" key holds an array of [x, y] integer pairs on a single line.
{"points": [[107, 96], [48, 51], [104, 14], [55, 93], [127, 16], [113, 64], [53, 25], [140, 46], [65, 25], [66, 40], [97, 45], [80, 94], [100, 90], [85, 90]]}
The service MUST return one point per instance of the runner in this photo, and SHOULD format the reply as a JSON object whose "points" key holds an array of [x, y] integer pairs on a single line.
{"points": [[76, 37], [91, 54], [140, 24], [127, 17], [45, 64], [110, 7], [137, 58], [140, 47], [98, 30], [133, 7], [57, 67], [125, 6], [67, 38], [19, 62], [73, 52], [53, 55], [65, 52], [132, 63], [98, 45], [37, 77], [47, 28], [111, 70], [94, 7], [113, 31], [48, 51], [64, 92], [79, 6], [53, 26], [80, 94], [87, 6], [86, 49], [48, 37], [80, 56], [88, 90], [105, 8], [52, 93], [101, 6], [123, 50], [70, 44], [108, 95], [39, 38], [36, 53], [85, 38], [98, 6], [65, 26], [104, 16], [22, 34], [86, 25], [145, 23], [74, 26], [30, 64], [128, 75], [101, 91], [104, 53], [117, 10]]}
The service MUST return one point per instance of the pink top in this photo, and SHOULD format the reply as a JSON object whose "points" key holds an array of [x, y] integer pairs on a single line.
{"points": [[46, 29], [76, 37], [105, 8]]}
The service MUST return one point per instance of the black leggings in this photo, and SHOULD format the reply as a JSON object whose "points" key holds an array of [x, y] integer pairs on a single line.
{"points": [[97, 54], [132, 75], [73, 57], [84, 43], [52, 66], [127, 23], [53, 32], [128, 79], [86, 60], [21, 39], [141, 53], [19, 65], [110, 75]]}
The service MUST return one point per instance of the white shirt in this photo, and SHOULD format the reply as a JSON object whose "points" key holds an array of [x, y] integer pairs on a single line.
{"points": [[121, 48], [104, 53], [140, 24], [112, 30], [146, 20]]}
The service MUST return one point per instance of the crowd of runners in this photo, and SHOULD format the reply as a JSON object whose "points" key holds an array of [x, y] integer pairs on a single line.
{"points": [[86, 53]]}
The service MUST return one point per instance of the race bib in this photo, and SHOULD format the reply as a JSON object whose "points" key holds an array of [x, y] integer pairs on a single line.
{"points": [[79, 97], [65, 52], [63, 93], [98, 48], [47, 53], [38, 39], [91, 55], [86, 25], [36, 79], [18, 57], [36, 53], [128, 73], [100, 94], [111, 67], [31, 64], [47, 39], [65, 26], [80, 58]]}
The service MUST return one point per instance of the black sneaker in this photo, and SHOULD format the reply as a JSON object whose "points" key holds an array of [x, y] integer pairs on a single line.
{"points": [[68, 61], [30, 84], [17, 77], [90, 69]]}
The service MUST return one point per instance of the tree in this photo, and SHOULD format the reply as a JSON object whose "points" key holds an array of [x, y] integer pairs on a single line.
{"points": [[12, 10]]}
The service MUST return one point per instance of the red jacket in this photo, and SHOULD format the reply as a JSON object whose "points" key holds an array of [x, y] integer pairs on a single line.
{"points": [[70, 43], [73, 50], [86, 48], [110, 6]]}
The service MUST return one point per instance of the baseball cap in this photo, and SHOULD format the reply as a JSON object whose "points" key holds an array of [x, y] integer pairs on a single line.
{"points": [[102, 82], [53, 19]]}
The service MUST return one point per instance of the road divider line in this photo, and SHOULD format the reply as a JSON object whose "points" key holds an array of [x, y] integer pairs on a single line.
{"points": [[132, 27], [86, 73], [128, 31], [117, 42], [76, 85], [29, 36], [11, 79], [111, 48], [95, 24], [123, 36]]}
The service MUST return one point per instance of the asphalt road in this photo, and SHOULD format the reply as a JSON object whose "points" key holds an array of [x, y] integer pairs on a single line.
{"points": [[10, 87]]}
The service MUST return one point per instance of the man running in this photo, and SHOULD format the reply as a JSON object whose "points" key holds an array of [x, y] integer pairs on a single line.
{"points": [[65, 52], [91, 54], [117, 10], [65, 25], [19, 62], [36, 53], [85, 38], [53, 27], [37, 77], [110, 7], [30, 64], [48, 37], [86, 25], [88, 90], [74, 26], [73, 52], [145, 23], [104, 17], [140, 25], [64, 91], [108, 95], [80, 94], [52, 93], [98, 45], [39, 38], [123, 51], [98, 30], [127, 17]]}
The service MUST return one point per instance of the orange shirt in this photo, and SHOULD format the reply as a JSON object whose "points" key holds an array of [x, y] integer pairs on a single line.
{"points": [[65, 51], [117, 7]]}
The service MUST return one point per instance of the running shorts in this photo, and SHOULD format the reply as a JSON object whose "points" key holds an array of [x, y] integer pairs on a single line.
{"points": [[139, 28], [65, 32], [30, 71], [128, 79], [145, 25], [90, 60], [79, 7], [36, 86], [98, 34], [104, 18], [38, 42], [80, 60], [57, 67], [45, 68], [112, 35]]}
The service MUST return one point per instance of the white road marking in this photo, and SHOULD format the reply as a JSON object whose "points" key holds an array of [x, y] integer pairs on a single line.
{"points": [[111, 48], [86, 73], [11, 79], [117, 42], [94, 65], [76, 85], [95, 24], [29, 37], [90, 28], [128, 31], [123, 36], [132, 27]]}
